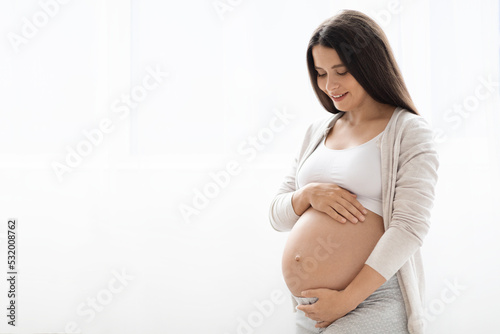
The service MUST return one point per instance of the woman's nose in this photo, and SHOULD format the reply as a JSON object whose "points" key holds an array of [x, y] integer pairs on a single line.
{"points": [[332, 85]]}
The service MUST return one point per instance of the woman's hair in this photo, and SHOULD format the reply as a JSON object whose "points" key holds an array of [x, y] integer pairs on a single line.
{"points": [[364, 49]]}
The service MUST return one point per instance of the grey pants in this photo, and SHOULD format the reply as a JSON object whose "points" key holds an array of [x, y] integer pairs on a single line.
{"points": [[382, 312]]}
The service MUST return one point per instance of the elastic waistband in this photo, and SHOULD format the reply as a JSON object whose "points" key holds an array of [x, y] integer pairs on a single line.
{"points": [[304, 300]]}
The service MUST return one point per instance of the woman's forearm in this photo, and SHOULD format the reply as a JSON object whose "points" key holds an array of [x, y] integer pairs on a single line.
{"points": [[300, 200], [363, 285]]}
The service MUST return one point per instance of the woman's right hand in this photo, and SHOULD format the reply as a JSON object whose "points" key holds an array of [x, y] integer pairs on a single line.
{"points": [[337, 202]]}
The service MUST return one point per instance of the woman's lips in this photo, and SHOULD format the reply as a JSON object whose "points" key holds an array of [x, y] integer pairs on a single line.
{"points": [[338, 99]]}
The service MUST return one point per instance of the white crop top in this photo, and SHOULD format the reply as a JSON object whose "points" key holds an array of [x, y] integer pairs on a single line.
{"points": [[356, 169]]}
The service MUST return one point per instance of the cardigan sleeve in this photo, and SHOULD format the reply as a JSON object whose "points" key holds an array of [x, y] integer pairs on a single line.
{"points": [[281, 213], [415, 182]]}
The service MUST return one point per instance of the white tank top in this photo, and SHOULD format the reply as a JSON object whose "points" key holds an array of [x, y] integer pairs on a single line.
{"points": [[356, 169]]}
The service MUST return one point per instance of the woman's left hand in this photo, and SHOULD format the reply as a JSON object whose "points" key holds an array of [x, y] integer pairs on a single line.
{"points": [[330, 306]]}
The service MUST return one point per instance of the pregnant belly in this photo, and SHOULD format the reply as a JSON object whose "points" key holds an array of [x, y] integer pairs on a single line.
{"points": [[323, 253]]}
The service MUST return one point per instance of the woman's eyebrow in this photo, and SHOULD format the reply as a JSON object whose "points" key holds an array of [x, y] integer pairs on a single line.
{"points": [[334, 66]]}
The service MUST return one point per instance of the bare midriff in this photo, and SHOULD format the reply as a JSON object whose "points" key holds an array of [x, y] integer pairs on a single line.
{"points": [[320, 252]]}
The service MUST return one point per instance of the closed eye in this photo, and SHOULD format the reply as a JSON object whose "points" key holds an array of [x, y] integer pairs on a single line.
{"points": [[322, 75]]}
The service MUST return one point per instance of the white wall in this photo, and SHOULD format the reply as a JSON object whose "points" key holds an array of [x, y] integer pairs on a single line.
{"points": [[221, 79]]}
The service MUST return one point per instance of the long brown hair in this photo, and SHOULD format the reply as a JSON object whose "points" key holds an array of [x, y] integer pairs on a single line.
{"points": [[364, 49]]}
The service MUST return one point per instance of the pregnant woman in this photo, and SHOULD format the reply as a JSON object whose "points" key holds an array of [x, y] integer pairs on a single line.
{"points": [[358, 198]]}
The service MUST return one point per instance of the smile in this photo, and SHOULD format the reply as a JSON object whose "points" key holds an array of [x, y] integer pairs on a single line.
{"points": [[338, 98]]}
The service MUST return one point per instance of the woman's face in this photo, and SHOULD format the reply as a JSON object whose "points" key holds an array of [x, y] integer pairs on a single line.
{"points": [[334, 79]]}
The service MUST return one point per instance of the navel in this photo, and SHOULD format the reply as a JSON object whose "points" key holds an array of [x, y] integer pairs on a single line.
{"points": [[297, 258]]}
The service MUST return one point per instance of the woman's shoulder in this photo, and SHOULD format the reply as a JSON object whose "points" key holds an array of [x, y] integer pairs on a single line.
{"points": [[408, 121], [412, 131]]}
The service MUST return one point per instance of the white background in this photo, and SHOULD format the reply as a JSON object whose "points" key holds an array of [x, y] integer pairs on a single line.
{"points": [[229, 72]]}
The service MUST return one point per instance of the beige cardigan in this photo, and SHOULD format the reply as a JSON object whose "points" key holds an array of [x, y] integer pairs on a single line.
{"points": [[409, 168]]}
